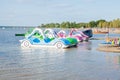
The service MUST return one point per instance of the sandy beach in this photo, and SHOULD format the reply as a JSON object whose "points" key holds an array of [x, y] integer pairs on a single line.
{"points": [[108, 38], [105, 30], [109, 49]]}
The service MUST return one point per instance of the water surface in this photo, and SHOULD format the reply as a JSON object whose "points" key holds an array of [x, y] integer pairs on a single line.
{"points": [[81, 63]]}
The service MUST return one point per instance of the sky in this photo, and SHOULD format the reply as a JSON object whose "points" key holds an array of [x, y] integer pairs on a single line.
{"points": [[37, 12]]}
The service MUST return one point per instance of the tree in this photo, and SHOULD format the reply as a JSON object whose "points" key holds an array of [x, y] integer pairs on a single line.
{"points": [[92, 24], [99, 23]]}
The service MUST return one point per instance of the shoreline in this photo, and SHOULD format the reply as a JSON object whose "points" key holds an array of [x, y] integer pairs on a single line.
{"points": [[109, 49]]}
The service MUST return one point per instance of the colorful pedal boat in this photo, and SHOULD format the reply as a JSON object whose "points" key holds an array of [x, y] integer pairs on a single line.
{"points": [[52, 34], [73, 33], [38, 38]]}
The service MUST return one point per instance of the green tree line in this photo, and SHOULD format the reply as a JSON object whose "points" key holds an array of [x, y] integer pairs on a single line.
{"points": [[92, 24]]}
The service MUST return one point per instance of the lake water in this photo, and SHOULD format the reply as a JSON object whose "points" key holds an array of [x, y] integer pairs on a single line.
{"points": [[81, 63]]}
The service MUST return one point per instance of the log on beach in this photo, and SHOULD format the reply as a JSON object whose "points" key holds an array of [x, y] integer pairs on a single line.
{"points": [[100, 32]]}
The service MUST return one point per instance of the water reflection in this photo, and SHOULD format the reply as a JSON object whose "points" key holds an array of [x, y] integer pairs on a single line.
{"points": [[85, 45], [42, 54], [113, 59]]}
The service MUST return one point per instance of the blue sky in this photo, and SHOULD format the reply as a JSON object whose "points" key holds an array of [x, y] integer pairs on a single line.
{"points": [[36, 12]]}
